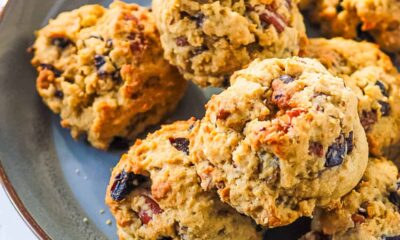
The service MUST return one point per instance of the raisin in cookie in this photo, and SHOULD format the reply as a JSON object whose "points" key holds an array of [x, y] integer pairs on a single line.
{"points": [[377, 21], [155, 193], [209, 40], [103, 71], [370, 211], [372, 76], [282, 139]]}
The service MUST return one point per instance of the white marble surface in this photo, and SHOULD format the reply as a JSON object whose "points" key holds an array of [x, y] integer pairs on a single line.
{"points": [[11, 224]]}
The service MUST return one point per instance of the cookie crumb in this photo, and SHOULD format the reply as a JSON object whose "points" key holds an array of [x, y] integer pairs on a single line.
{"points": [[108, 222], [85, 220], [101, 211]]}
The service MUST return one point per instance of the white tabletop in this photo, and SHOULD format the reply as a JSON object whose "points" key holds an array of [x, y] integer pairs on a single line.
{"points": [[11, 224]]}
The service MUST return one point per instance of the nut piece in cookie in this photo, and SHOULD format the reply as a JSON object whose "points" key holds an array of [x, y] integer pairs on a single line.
{"points": [[290, 140], [209, 40], [102, 70], [369, 211], [155, 193], [371, 75]]}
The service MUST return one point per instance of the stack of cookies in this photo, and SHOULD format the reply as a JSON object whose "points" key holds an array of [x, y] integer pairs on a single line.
{"points": [[302, 127]]}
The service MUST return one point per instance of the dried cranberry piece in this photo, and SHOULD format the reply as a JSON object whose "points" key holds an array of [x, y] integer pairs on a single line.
{"points": [[59, 94], [286, 79], [349, 142], [316, 148], [182, 41], [357, 218], [124, 183], [61, 42], [223, 114], [181, 144], [336, 152], [385, 108], [270, 17], [99, 61], [395, 199], [146, 213], [50, 67], [368, 119], [382, 87]]}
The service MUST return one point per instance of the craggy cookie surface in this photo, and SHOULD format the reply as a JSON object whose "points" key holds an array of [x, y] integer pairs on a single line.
{"points": [[370, 211], [209, 40], [283, 138], [377, 21], [155, 193], [372, 76], [102, 70]]}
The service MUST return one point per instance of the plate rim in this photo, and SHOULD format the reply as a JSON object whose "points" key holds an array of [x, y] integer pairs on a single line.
{"points": [[7, 185]]}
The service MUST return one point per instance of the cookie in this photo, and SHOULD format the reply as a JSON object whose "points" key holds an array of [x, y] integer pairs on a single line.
{"points": [[155, 193], [370, 211], [102, 70], [282, 139], [209, 40], [377, 21], [372, 76]]}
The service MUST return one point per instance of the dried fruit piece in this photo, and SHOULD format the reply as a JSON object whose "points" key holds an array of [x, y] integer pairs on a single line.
{"points": [[124, 183], [182, 41], [59, 94], [50, 67], [368, 119], [151, 208], [61, 42], [316, 148], [270, 17], [385, 108], [357, 218], [349, 142], [391, 238], [99, 61], [382, 87], [336, 152], [286, 79], [181, 144], [223, 115], [198, 18], [199, 50]]}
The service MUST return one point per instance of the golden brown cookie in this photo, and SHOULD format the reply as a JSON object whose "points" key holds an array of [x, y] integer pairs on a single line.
{"points": [[209, 40], [283, 138], [371, 75], [370, 211], [155, 193], [103, 71]]}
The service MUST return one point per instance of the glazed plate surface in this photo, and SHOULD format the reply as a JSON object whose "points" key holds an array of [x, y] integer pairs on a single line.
{"points": [[54, 181]]}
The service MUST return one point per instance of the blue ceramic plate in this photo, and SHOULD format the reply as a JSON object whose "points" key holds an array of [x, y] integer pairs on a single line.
{"points": [[54, 181]]}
